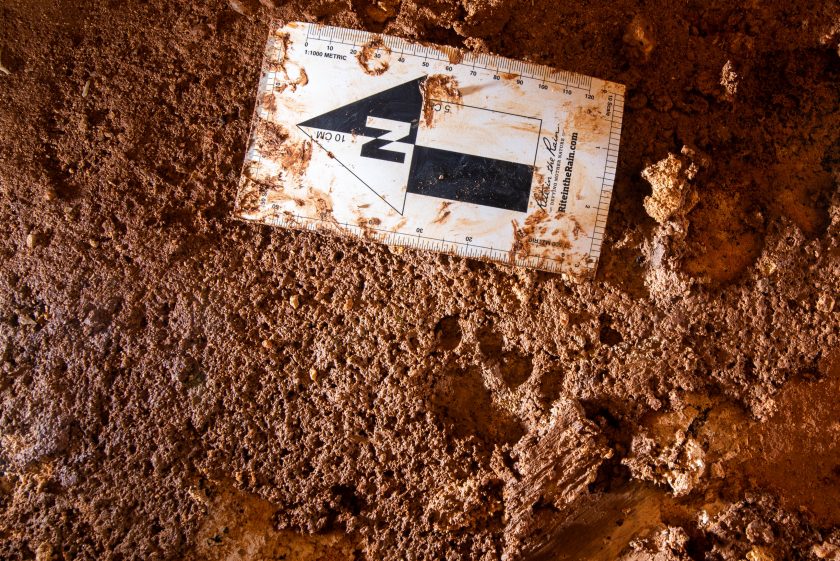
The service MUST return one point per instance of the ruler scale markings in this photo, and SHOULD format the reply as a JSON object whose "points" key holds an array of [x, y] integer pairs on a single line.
{"points": [[603, 206], [497, 170]]}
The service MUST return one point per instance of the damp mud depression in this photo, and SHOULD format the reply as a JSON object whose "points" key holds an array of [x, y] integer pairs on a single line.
{"points": [[179, 384]]}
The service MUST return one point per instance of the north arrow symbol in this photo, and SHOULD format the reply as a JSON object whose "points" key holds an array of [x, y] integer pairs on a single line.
{"points": [[384, 154], [384, 129]]}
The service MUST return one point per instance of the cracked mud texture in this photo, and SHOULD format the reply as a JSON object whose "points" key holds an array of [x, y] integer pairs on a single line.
{"points": [[176, 384]]}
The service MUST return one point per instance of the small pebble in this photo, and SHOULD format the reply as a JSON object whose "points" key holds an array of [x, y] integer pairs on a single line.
{"points": [[268, 345], [639, 37], [825, 303], [759, 531], [313, 374], [729, 80], [44, 552], [760, 554], [31, 240], [239, 7], [826, 550], [382, 10], [294, 301], [24, 319]]}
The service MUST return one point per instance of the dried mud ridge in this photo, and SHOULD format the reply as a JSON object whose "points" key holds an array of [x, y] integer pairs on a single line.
{"points": [[177, 384], [438, 88], [367, 57]]}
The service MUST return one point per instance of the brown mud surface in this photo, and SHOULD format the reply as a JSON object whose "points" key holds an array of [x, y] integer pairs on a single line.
{"points": [[438, 88], [177, 384]]}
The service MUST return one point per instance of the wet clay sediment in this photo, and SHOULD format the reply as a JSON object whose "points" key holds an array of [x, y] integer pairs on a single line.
{"points": [[176, 384], [367, 57], [438, 88]]}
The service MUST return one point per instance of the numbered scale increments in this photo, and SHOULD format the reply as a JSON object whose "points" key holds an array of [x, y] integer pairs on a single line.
{"points": [[428, 147]]}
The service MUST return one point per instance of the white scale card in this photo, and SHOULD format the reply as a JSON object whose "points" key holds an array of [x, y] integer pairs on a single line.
{"points": [[432, 148]]}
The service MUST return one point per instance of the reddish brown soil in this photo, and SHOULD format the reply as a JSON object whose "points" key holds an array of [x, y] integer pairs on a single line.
{"points": [[176, 384]]}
